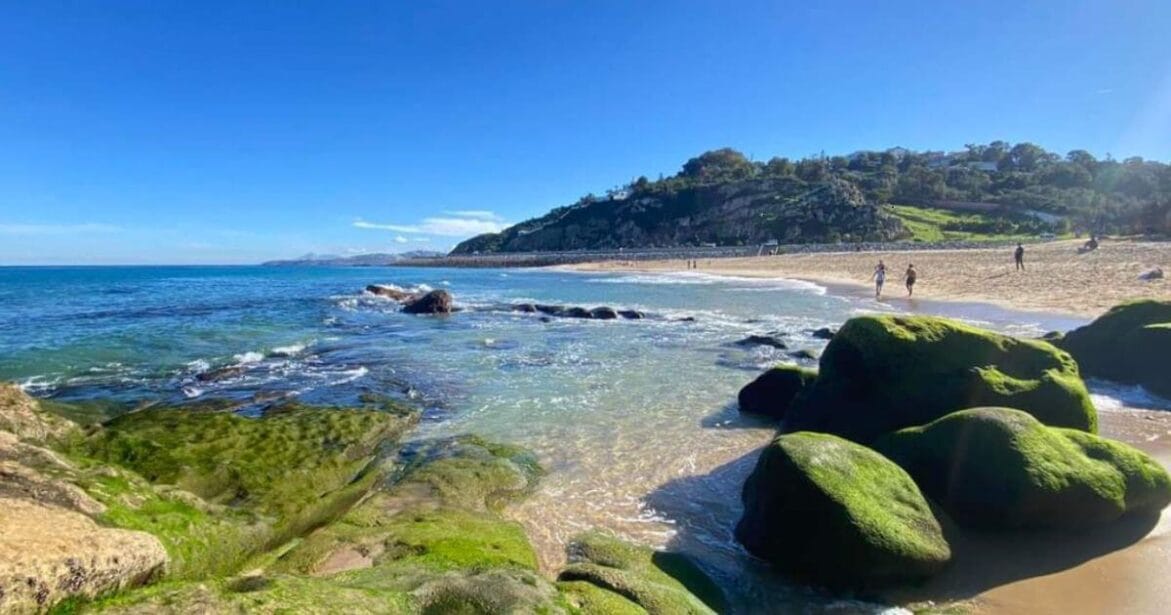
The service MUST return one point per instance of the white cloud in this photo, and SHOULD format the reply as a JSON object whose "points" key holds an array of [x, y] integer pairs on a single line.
{"points": [[30, 230], [445, 227], [400, 239]]}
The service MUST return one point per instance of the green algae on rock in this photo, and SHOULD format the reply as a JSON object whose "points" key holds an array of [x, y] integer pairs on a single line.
{"points": [[1131, 344], [250, 484], [773, 392], [883, 373], [657, 582], [1002, 468], [834, 512]]}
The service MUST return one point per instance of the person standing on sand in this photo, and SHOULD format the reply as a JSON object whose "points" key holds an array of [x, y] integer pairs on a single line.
{"points": [[1019, 257], [879, 278], [911, 275]]}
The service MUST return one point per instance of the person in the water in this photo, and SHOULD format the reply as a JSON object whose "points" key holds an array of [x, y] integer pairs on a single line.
{"points": [[911, 275], [879, 278]]}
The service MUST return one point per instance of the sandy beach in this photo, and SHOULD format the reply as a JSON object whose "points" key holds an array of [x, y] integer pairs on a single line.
{"points": [[1056, 279]]}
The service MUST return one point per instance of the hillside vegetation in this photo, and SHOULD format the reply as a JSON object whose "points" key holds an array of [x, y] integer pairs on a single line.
{"points": [[721, 197]]}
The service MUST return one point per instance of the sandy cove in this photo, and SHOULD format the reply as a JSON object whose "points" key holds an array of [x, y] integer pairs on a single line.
{"points": [[1123, 569], [1057, 279]]}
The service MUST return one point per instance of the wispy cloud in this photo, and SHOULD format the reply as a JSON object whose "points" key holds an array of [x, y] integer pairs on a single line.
{"points": [[444, 227], [37, 230], [400, 239], [475, 214]]}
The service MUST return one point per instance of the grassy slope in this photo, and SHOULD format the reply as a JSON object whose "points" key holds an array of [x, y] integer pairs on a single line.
{"points": [[929, 225]]}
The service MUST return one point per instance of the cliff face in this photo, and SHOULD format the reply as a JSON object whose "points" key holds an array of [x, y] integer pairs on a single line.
{"points": [[742, 212]]}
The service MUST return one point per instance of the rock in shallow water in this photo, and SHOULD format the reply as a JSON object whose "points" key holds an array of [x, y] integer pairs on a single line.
{"points": [[838, 514], [1131, 343], [1002, 468], [770, 340], [773, 392], [883, 373], [433, 302]]}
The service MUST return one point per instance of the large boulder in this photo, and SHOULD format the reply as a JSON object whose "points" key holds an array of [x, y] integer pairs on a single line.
{"points": [[839, 514], [773, 392], [1131, 343], [1002, 468], [433, 302], [48, 553], [883, 373]]}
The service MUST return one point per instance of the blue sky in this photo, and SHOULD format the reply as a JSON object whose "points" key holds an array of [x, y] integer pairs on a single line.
{"points": [[232, 132]]}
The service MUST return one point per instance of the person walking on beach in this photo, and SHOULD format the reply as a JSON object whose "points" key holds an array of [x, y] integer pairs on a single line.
{"points": [[879, 278], [1019, 257], [911, 275]]}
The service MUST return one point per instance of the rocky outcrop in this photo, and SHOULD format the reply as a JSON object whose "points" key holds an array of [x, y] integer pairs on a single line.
{"points": [[1002, 468], [659, 583], [824, 333], [748, 211], [773, 392], [49, 553], [432, 302], [571, 311], [1131, 344], [883, 373], [51, 548], [838, 514]]}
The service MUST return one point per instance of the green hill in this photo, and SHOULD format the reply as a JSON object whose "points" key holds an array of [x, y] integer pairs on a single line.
{"points": [[992, 191]]}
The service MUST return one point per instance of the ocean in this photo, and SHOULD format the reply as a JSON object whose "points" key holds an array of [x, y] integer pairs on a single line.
{"points": [[635, 420]]}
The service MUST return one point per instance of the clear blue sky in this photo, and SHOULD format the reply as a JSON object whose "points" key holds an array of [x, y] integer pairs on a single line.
{"points": [[211, 132]]}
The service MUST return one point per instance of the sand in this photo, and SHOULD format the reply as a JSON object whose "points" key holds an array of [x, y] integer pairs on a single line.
{"points": [[1056, 278]]}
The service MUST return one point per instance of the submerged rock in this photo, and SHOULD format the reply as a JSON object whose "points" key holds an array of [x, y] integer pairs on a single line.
{"points": [[773, 341], [603, 313], [1131, 344], [390, 292], [1002, 468], [659, 582], [824, 333], [433, 302], [838, 514], [773, 392], [804, 355], [883, 373]]}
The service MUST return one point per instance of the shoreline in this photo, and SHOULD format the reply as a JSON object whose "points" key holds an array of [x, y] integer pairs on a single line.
{"points": [[1057, 280]]}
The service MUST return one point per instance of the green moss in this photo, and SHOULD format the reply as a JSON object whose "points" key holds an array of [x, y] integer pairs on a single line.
{"points": [[1130, 344], [656, 581], [586, 598], [882, 373], [837, 513], [998, 467], [773, 392]]}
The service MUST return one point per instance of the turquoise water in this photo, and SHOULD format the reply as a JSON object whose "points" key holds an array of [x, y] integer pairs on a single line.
{"points": [[634, 419]]}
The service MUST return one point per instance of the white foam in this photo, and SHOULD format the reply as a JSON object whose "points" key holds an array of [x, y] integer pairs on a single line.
{"points": [[248, 358], [288, 351], [198, 365], [740, 283]]}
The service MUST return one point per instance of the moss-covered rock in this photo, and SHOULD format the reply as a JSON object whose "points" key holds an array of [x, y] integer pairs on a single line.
{"points": [[1002, 468], [882, 373], [839, 514], [773, 392], [658, 582], [228, 487], [1131, 343]]}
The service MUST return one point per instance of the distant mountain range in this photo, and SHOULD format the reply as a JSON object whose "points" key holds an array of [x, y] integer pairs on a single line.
{"points": [[357, 260], [723, 198]]}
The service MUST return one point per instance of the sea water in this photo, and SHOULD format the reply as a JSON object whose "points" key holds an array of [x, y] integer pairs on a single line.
{"points": [[635, 420]]}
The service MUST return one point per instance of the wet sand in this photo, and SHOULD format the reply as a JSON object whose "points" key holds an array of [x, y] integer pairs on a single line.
{"points": [[1057, 279]]}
